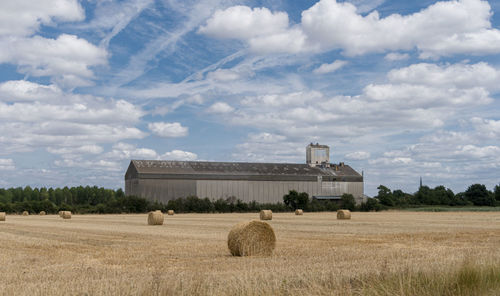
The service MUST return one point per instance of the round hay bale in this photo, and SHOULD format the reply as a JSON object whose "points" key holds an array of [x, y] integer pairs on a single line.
{"points": [[266, 215], [155, 218], [299, 212], [66, 215], [170, 212], [42, 213], [60, 213], [344, 214], [252, 238], [2, 216], [25, 213]]}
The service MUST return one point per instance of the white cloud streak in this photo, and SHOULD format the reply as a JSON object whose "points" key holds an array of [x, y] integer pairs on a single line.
{"points": [[328, 68]]}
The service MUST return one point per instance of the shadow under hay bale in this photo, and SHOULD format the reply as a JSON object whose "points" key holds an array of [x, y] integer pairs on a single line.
{"points": [[266, 215], [252, 238], [170, 212], [155, 218], [42, 213], [25, 213], [2, 216], [299, 212], [66, 215], [344, 214]]}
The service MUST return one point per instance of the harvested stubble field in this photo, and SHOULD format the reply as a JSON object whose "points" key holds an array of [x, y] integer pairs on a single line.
{"points": [[386, 253]]}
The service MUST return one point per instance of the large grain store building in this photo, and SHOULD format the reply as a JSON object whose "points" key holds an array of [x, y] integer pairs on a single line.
{"points": [[263, 182]]}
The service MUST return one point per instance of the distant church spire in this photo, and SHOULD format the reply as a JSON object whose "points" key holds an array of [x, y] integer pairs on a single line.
{"points": [[420, 182]]}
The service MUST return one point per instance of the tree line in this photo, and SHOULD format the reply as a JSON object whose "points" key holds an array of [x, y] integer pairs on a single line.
{"points": [[98, 200], [101, 200], [475, 195]]}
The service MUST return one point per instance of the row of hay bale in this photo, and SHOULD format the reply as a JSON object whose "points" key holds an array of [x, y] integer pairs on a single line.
{"points": [[157, 218], [268, 214], [62, 214]]}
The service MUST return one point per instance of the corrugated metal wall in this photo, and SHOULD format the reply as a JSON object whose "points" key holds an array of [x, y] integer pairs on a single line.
{"points": [[272, 191], [260, 191], [160, 189]]}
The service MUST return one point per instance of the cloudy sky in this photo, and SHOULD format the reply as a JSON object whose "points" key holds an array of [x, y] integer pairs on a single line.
{"points": [[398, 89]]}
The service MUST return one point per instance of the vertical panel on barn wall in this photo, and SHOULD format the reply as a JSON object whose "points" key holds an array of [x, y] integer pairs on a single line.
{"points": [[199, 188], [269, 190], [255, 187], [222, 189], [277, 191], [355, 188], [256, 191], [211, 191], [216, 190], [234, 188], [230, 188], [226, 189], [224, 185], [230, 185], [264, 191], [243, 191], [250, 191], [343, 188]]}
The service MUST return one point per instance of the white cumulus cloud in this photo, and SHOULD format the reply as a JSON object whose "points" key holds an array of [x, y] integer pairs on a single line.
{"points": [[24, 17], [442, 29], [220, 107], [168, 129], [68, 58], [36, 116], [179, 155], [242, 22]]}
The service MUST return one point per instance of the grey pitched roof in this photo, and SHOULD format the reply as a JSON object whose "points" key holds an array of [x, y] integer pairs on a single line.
{"points": [[203, 168]]}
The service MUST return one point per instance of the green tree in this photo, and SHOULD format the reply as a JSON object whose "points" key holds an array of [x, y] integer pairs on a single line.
{"points": [[497, 193], [425, 196], [371, 204], [295, 200], [479, 195], [385, 196], [444, 196], [348, 202], [27, 193], [400, 198]]}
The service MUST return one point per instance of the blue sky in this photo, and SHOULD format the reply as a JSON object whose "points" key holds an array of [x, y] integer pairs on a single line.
{"points": [[397, 89]]}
